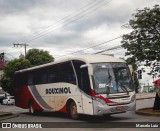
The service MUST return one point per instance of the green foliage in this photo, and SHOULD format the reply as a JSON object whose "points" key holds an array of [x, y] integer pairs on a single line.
{"points": [[132, 61], [34, 57], [155, 69], [143, 43], [15, 65], [38, 57], [7, 79]]}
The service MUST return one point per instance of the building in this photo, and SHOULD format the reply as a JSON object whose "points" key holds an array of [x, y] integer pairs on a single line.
{"points": [[3, 65]]}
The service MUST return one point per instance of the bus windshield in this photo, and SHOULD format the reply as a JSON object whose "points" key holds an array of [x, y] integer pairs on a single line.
{"points": [[110, 78]]}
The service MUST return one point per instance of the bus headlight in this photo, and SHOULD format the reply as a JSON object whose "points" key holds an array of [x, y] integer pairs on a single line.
{"points": [[133, 98]]}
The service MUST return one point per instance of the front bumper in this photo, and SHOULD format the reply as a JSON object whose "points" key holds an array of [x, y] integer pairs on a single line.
{"points": [[100, 109]]}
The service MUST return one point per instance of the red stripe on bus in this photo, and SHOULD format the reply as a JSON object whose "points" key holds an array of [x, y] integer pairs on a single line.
{"points": [[101, 97], [22, 97], [63, 109]]}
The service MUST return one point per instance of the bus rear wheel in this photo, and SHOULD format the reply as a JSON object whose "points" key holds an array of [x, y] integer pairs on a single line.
{"points": [[31, 108], [73, 111]]}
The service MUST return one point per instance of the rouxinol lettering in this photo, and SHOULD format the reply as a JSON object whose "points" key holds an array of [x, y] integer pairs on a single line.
{"points": [[64, 90]]}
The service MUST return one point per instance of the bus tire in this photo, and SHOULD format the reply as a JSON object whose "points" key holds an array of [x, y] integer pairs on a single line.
{"points": [[73, 111], [31, 108]]}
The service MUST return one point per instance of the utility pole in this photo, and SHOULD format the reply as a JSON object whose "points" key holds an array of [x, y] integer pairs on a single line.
{"points": [[25, 45]]}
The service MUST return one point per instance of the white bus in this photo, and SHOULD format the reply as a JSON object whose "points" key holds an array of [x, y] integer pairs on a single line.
{"points": [[87, 84]]}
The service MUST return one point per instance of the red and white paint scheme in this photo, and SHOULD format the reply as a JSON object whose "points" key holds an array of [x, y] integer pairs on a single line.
{"points": [[87, 84]]}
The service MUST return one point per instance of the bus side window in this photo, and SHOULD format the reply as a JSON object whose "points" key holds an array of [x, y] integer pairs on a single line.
{"points": [[20, 80], [85, 82], [24, 79], [66, 73], [53, 75], [77, 64], [43, 74], [30, 79], [37, 77]]}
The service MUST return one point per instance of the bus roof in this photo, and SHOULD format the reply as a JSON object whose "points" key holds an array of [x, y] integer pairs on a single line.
{"points": [[88, 59]]}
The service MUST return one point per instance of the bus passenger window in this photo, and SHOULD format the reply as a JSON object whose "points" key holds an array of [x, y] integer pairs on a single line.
{"points": [[30, 80], [44, 78], [67, 74], [53, 76]]}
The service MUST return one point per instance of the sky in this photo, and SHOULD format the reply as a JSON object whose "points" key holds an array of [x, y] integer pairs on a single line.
{"points": [[65, 26]]}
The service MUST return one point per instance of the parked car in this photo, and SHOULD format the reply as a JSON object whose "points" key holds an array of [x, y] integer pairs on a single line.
{"points": [[1, 98], [9, 100]]}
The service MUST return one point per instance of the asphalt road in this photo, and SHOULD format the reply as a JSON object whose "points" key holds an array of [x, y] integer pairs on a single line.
{"points": [[24, 116]]}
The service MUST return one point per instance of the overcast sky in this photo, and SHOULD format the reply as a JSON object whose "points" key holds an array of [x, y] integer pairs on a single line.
{"points": [[65, 26]]}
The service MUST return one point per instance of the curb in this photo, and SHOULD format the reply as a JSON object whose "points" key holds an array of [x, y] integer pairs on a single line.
{"points": [[147, 112], [7, 115], [145, 98]]}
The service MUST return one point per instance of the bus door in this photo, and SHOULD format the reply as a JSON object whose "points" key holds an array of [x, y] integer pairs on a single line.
{"points": [[86, 92]]}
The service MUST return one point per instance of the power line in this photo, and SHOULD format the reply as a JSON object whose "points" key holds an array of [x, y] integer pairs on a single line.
{"points": [[10, 55], [51, 26], [112, 48], [90, 47], [101, 3], [35, 35], [24, 45], [11, 48], [58, 25], [5, 50], [64, 24]]}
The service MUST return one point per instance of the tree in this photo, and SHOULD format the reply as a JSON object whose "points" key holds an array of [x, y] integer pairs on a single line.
{"points": [[7, 79], [34, 57], [38, 57], [143, 43]]}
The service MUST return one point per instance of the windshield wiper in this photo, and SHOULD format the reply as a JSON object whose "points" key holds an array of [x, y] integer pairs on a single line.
{"points": [[108, 90], [124, 87], [108, 87]]}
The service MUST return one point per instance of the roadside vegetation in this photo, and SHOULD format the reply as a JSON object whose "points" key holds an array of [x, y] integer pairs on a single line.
{"points": [[34, 57], [143, 43]]}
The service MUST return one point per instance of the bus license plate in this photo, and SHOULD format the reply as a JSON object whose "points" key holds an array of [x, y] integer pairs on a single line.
{"points": [[119, 107]]}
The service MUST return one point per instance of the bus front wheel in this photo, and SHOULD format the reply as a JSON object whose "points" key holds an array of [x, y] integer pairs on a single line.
{"points": [[73, 111]]}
